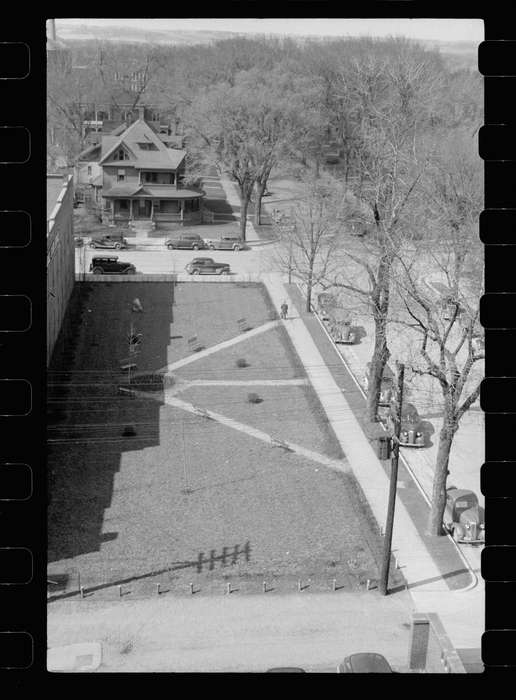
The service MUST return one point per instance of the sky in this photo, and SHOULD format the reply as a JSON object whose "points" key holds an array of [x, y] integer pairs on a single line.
{"points": [[431, 29]]}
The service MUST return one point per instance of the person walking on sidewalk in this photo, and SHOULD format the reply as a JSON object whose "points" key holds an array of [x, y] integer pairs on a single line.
{"points": [[284, 310]]}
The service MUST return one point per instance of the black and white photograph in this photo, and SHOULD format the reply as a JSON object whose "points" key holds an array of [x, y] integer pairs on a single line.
{"points": [[263, 345]]}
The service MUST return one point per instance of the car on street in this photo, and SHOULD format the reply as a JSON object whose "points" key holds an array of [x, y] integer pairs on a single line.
{"points": [[325, 304], [386, 385], [111, 266], [207, 266], [463, 516], [190, 241], [367, 662], [109, 241], [225, 242]]}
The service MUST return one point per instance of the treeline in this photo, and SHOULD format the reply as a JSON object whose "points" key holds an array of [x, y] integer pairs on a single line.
{"points": [[408, 178]]}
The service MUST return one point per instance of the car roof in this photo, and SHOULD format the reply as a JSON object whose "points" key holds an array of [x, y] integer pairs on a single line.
{"points": [[369, 662], [200, 259], [110, 258], [461, 493]]}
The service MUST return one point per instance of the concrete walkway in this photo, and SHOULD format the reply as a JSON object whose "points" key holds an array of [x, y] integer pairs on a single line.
{"points": [[461, 611], [234, 200], [364, 462]]}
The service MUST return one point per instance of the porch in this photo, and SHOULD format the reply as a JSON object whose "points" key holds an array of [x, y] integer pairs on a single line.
{"points": [[155, 213]]}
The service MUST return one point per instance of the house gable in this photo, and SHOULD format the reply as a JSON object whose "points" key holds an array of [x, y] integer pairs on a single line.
{"points": [[144, 148]]}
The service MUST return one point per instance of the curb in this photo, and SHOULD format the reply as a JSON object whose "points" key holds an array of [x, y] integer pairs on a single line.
{"points": [[473, 575]]}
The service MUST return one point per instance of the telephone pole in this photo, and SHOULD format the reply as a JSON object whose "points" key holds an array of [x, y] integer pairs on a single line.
{"points": [[387, 543]]}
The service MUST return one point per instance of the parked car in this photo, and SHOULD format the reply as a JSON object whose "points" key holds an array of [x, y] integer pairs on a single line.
{"points": [[112, 266], [115, 241], [190, 241], [386, 387], [208, 266], [325, 304], [463, 516], [225, 242], [367, 662]]}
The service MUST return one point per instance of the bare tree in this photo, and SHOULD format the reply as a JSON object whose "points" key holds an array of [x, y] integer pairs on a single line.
{"points": [[391, 155], [440, 292], [309, 235]]}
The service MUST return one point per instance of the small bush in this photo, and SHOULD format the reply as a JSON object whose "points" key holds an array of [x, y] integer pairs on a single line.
{"points": [[242, 362], [253, 398]]}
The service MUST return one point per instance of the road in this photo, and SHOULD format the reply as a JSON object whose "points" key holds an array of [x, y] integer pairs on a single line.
{"points": [[236, 634]]}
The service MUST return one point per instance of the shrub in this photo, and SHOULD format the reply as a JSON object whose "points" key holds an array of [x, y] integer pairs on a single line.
{"points": [[242, 362], [253, 398]]}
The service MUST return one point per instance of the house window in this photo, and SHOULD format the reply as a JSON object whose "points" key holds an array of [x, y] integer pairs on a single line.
{"points": [[150, 177], [123, 204], [192, 205], [89, 169], [120, 155], [120, 177]]}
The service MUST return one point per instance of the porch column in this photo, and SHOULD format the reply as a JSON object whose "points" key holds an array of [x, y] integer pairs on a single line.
{"points": [[131, 209], [152, 210], [182, 209]]}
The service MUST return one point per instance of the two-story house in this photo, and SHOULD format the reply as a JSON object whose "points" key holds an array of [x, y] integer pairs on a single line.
{"points": [[142, 180]]}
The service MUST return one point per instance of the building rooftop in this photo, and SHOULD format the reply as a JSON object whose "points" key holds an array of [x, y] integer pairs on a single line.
{"points": [[55, 184], [137, 134]]}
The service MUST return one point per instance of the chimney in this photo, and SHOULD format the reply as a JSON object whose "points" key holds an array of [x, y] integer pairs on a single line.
{"points": [[141, 112]]}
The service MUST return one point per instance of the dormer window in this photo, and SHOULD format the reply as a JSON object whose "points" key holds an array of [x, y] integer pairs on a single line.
{"points": [[120, 154], [148, 146]]}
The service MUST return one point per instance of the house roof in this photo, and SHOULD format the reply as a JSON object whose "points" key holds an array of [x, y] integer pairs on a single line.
{"points": [[85, 155], [140, 132], [96, 181], [122, 191], [163, 192]]}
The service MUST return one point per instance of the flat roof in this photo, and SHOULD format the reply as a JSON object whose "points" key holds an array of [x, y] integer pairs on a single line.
{"points": [[55, 184]]}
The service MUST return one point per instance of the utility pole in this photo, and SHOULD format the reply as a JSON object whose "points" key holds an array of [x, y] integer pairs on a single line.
{"points": [[387, 543], [185, 472]]}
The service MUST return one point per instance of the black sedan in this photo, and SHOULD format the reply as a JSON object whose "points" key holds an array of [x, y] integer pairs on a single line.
{"points": [[207, 266]]}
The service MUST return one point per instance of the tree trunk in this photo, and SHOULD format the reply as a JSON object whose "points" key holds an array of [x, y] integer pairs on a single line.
{"points": [[244, 205], [435, 520], [379, 359], [260, 189], [309, 295]]}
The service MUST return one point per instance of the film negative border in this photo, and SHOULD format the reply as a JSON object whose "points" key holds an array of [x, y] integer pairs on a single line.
{"points": [[22, 313], [497, 146], [27, 621]]}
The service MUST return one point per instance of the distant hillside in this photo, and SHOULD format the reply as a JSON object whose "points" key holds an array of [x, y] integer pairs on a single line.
{"points": [[132, 35], [458, 54]]}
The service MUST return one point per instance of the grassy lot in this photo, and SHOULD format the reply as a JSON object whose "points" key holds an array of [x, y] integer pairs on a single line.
{"points": [[291, 413], [269, 355], [185, 499]]}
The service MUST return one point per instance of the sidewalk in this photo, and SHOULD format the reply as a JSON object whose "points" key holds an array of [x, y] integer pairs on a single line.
{"points": [[431, 568], [234, 201]]}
